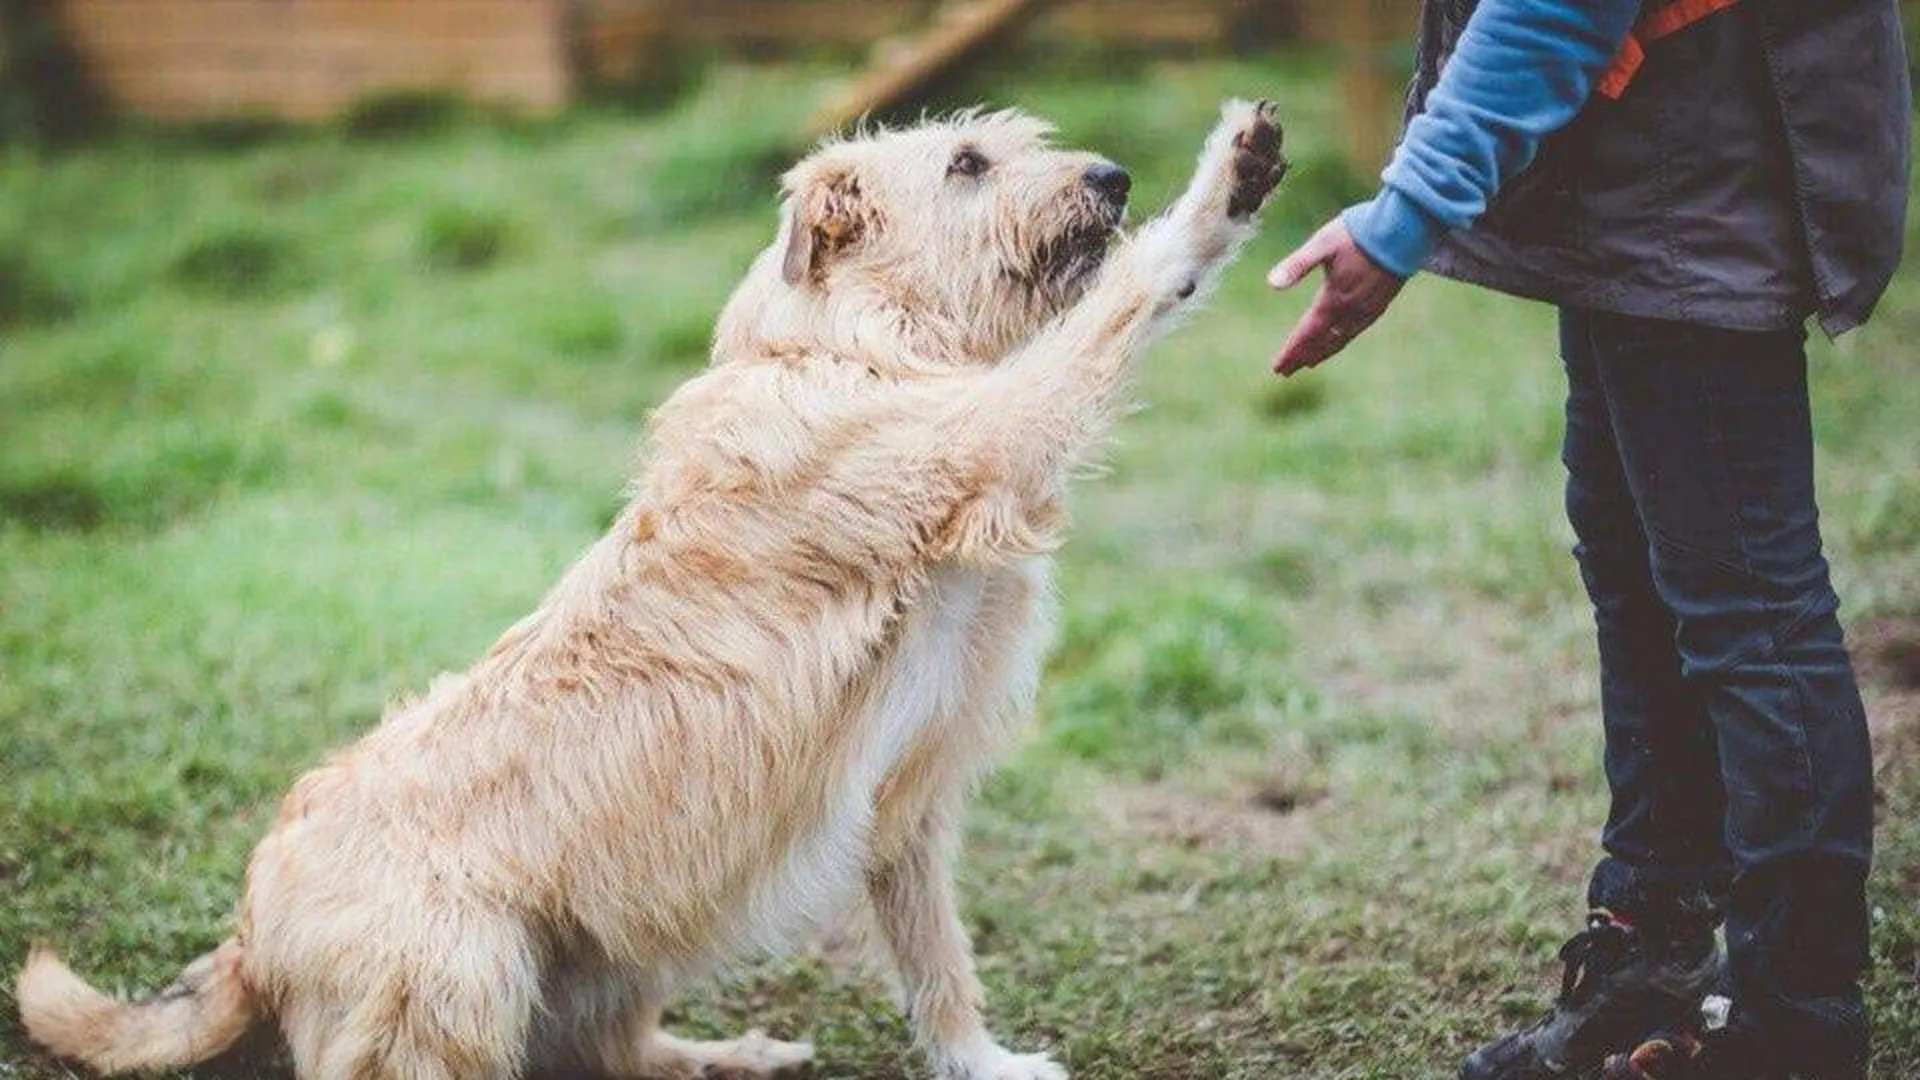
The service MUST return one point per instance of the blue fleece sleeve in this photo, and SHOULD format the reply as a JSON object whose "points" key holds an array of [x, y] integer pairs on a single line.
{"points": [[1521, 70]]}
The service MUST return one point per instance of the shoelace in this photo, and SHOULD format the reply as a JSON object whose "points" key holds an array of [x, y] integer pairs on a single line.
{"points": [[1597, 949]]}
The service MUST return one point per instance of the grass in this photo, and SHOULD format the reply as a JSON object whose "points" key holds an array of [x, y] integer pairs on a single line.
{"points": [[293, 422]]}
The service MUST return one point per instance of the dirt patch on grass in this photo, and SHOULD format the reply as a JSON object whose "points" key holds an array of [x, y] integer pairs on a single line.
{"points": [[1468, 666], [53, 503], [1254, 819], [1886, 652], [244, 262]]}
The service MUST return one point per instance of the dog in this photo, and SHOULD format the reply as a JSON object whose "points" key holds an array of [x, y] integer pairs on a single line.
{"points": [[767, 689]]}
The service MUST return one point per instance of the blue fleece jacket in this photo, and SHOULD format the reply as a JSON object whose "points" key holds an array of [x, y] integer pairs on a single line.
{"points": [[1521, 70]]}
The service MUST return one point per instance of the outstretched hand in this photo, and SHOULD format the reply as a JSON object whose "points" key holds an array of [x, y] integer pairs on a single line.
{"points": [[1356, 292]]}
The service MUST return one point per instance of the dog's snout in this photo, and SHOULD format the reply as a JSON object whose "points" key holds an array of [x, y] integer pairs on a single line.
{"points": [[1109, 180]]}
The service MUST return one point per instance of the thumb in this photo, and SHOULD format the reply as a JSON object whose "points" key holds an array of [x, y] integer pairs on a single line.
{"points": [[1318, 249]]}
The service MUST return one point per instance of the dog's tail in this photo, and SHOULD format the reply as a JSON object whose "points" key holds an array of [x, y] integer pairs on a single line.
{"points": [[205, 1011]]}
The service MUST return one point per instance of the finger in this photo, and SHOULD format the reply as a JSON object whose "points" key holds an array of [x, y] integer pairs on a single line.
{"points": [[1308, 353], [1317, 250], [1314, 339], [1289, 271]]}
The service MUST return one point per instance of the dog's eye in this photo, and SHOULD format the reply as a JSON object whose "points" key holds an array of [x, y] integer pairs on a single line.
{"points": [[967, 162]]}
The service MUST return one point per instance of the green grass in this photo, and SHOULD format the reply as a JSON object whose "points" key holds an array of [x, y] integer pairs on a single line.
{"points": [[292, 422]]}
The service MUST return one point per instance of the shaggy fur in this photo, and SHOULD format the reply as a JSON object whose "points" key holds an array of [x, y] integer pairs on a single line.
{"points": [[766, 690]]}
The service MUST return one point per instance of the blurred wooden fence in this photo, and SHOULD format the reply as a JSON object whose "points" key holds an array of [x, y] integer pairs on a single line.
{"points": [[310, 59], [784, 24], [1373, 37]]}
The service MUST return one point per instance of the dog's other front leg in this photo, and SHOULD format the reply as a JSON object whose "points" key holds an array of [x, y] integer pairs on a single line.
{"points": [[919, 919]]}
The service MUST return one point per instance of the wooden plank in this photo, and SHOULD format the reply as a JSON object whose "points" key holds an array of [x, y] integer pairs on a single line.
{"points": [[617, 40], [1140, 23], [908, 66], [800, 23], [792, 23], [1373, 78]]}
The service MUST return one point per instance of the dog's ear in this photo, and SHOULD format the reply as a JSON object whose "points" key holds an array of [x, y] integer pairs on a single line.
{"points": [[827, 213]]}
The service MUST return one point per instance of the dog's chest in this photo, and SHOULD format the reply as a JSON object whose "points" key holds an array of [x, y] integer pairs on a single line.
{"points": [[970, 651], [968, 655], [925, 677]]}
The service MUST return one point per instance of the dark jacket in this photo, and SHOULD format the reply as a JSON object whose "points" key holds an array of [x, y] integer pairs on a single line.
{"points": [[1755, 172]]}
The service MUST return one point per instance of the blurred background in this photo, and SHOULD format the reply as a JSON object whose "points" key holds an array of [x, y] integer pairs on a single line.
{"points": [[71, 64], [328, 332]]}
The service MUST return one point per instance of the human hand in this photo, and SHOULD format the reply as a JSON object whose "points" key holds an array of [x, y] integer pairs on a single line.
{"points": [[1356, 292]]}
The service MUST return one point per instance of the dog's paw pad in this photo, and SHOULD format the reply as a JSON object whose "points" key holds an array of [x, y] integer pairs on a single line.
{"points": [[1258, 164]]}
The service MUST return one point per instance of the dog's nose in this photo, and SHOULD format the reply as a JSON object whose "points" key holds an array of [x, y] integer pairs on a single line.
{"points": [[1110, 180]]}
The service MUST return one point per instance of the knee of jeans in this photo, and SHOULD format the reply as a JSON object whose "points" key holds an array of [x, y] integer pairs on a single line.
{"points": [[1730, 614]]}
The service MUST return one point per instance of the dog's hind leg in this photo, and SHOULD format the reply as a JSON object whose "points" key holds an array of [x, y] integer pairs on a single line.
{"points": [[451, 1005], [752, 1056], [636, 1048], [913, 901]]}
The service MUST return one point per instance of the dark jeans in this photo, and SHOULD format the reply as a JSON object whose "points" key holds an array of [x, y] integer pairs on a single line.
{"points": [[1736, 745]]}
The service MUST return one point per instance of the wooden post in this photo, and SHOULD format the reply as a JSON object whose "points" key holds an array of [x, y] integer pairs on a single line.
{"points": [[1372, 35]]}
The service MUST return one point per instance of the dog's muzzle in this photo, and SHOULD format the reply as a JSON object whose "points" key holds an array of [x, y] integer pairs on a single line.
{"points": [[1110, 182], [1078, 251]]}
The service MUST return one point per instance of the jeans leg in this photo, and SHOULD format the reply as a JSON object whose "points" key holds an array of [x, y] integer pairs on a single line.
{"points": [[1716, 441], [1667, 866]]}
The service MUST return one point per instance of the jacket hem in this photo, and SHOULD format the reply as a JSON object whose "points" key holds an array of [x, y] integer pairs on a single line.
{"points": [[1723, 314]]}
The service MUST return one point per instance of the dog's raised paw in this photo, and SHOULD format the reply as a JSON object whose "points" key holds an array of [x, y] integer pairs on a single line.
{"points": [[1258, 164]]}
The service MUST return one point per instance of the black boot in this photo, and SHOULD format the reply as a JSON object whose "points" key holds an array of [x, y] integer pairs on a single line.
{"points": [[1738, 1050], [1620, 985], [1721, 1054]]}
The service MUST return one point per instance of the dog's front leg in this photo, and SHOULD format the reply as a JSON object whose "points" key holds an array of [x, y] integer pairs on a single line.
{"points": [[913, 900], [1048, 406]]}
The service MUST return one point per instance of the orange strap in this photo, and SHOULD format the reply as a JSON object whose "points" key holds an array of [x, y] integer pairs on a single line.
{"points": [[1656, 24]]}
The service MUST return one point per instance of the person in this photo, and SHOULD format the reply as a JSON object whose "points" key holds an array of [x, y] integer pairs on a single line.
{"points": [[1689, 182]]}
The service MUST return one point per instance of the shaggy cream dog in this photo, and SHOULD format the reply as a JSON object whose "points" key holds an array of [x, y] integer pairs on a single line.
{"points": [[767, 689]]}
